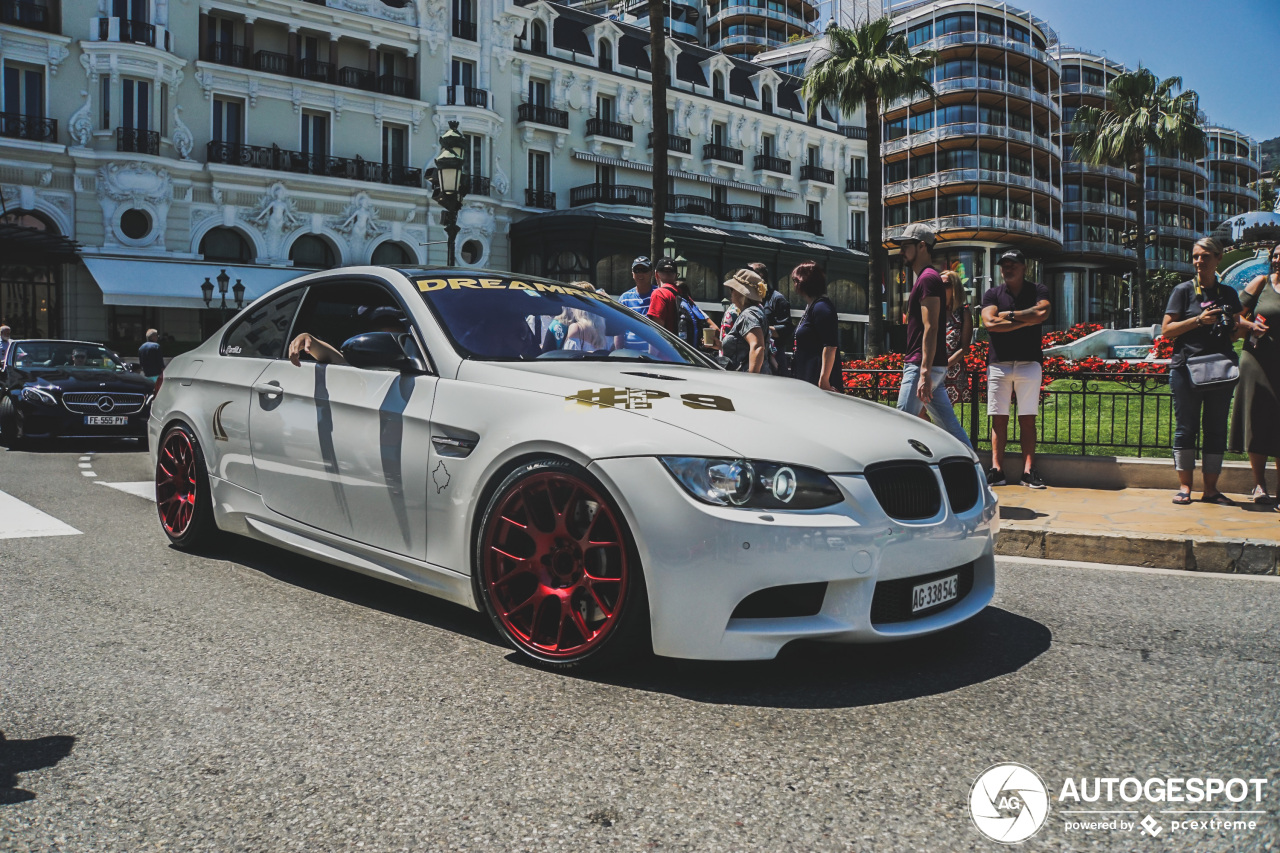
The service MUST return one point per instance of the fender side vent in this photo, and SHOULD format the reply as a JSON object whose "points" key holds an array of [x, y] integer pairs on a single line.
{"points": [[782, 602]]}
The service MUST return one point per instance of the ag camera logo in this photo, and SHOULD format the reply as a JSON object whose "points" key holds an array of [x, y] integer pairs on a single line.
{"points": [[1009, 803]]}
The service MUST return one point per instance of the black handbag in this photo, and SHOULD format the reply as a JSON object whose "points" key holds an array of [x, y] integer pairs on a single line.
{"points": [[1214, 370]]}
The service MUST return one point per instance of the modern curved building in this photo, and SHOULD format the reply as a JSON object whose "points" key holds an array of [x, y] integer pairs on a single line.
{"points": [[981, 163], [747, 27], [1233, 162], [1099, 206]]}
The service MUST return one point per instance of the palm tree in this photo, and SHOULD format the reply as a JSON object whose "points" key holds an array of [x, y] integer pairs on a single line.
{"points": [[868, 66], [1144, 115], [658, 75]]}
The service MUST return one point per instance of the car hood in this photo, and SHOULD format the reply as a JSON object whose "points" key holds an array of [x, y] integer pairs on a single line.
{"points": [[757, 417], [70, 379]]}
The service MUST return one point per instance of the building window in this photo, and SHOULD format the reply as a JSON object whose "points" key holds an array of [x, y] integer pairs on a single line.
{"points": [[606, 55], [390, 254], [473, 160], [135, 104], [766, 99], [313, 251], [538, 37], [105, 96], [606, 176], [719, 194], [315, 134], [768, 203], [766, 145], [604, 108], [226, 244], [463, 73], [23, 91], [858, 226], [538, 93], [228, 120], [813, 158], [395, 145], [815, 211], [717, 86], [717, 133], [539, 171]]}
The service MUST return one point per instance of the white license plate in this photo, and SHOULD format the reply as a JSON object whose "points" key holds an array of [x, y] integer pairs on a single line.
{"points": [[106, 420], [937, 592]]}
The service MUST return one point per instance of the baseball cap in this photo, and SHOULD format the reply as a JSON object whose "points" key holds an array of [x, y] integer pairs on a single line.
{"points": [[1014, 255], [748, 284], [665, 265], [641, 262], [918, 231]]}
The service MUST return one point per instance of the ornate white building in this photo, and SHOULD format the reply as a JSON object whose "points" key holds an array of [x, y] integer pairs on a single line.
{"points": [[174, 139]]}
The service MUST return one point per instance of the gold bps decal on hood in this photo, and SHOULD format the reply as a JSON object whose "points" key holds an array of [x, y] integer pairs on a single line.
{"points": [[640, 398]]}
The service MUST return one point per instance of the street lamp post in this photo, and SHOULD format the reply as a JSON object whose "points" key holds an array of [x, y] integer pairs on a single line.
{"points": [[237, 293], [448, 184]]}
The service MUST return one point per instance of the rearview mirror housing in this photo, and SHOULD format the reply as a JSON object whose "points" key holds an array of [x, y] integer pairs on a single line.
{"points": [[380, 351]]}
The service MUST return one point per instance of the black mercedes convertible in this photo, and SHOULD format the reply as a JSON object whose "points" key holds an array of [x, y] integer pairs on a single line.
{"points": [[70, 389]]}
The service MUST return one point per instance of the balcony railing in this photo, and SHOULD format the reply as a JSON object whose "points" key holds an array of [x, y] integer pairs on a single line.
{"points": [[371, 81], [690, 205], [20, 13], [611, 129], [137, 141], [314, 69], [793, 222], [810, 172], [539, 114], [226, 53], [611, 194], [852, 131], [538, 46], [723, 153], [678, 144], [464, 29], [35, 128], [541, 199], [128, 30], [273, 63], [855, 185], [476, 185], [857, 245], [282, 160], [769, 163], [467, 96]]}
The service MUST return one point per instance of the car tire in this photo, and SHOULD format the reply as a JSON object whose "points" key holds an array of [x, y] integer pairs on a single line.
{"points": [[183, 499], [9, 424], [557, 570]]}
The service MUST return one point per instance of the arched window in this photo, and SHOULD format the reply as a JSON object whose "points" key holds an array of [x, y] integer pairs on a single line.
{"points": [[717, 86], [391, 254], [605, 52], [313, 251], [538, 37], [766, 99], [226, 244]]}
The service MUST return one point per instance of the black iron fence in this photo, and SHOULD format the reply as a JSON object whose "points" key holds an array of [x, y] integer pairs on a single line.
{"points": [[284, 160], [137, 141], [23, 14], [35, 128], [541, 114], [1124, 414]]}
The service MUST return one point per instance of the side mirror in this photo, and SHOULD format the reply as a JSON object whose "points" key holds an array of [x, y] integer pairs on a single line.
{"points": [[380, 351]]}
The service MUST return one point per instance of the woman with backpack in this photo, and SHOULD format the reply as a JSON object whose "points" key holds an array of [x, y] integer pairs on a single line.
{"points": [[746, 346], [817, 355]]}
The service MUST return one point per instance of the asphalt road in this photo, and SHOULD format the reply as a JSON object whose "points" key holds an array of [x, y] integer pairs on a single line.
{"points": [[258, 701]]}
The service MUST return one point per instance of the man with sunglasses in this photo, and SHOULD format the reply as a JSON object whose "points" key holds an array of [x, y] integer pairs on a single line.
{"points": [[1012, 314], [925, 367]]}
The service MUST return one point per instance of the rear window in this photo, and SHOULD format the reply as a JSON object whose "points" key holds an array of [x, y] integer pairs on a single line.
{"points": [[261, 332]]}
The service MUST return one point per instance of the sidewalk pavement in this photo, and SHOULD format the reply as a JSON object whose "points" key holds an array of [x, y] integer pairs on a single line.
{"points": [[1138, 527]]}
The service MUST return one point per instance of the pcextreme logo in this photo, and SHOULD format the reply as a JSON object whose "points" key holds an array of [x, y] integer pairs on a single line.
{"points": [[1010, 803]]}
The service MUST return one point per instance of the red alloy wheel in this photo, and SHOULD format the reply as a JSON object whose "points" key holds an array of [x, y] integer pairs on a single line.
{"points": [[176, 483], [555, 565]]}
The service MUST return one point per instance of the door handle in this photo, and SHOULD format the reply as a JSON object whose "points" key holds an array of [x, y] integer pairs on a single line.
{"points": [[268, 389]]}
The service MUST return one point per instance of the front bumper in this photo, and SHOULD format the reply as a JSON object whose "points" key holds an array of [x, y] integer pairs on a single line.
{"points": [[701, 561], [50, 422]]}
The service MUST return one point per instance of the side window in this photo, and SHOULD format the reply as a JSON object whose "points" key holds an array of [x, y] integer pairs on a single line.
{"points": [[261, 333], [337, 311]]}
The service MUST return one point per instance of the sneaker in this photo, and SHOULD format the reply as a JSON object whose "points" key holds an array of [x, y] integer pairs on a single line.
{"points": [[1261, 498], [1032, 480], [995, 477]]}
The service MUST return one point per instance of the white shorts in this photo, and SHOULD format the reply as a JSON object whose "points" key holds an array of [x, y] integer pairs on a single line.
{"points": [[1009, 379]]}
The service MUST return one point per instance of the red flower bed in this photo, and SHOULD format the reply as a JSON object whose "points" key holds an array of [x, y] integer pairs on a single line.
{"points": [[1075, 333]]}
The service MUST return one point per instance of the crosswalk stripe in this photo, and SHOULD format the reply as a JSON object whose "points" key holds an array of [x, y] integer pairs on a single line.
{"points": [[142, 488], [21, 520]]}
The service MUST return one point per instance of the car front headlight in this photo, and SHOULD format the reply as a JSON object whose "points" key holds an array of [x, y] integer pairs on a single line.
{"points": [[752, 484], [35, 395]]}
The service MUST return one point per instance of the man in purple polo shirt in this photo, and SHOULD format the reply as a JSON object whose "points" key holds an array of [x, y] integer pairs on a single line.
{"points": [[925, 369]]}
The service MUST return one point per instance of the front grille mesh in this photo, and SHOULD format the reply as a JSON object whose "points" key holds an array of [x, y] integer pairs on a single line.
{"points": [[892, 599], [960, 476], [86, 402], [906, 490]]}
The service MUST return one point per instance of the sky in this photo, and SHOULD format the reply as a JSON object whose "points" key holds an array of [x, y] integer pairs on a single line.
{"points": [[1226, 50]]}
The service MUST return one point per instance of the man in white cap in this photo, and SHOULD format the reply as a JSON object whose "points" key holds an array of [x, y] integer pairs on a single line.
{"points": [[637, 299], [925, 368]]}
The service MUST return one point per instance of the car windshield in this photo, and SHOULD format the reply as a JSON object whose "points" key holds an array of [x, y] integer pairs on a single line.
{"points": [[522, 319], [34, 355]]}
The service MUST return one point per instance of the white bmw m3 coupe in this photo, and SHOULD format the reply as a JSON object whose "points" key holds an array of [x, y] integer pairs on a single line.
{"points": [[536, 451]]}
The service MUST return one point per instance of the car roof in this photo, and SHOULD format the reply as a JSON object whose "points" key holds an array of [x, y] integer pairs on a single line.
{"points": [[58, 341]]}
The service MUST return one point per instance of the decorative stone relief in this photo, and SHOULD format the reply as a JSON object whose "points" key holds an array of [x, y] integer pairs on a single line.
{"points": [[404, 15], [360, 223], [183, 141], [205, 80], [80, 126], [134, 186], [434, 15], [57, 53], [557, 89], [501, 184], [708, 125], [275, 213], [476, 222], [526, 74]]}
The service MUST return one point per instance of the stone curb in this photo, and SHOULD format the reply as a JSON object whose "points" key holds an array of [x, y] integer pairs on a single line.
{"points": [[1189, 553]]}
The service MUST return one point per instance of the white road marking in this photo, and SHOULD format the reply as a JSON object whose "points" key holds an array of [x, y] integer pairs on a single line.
{"points": [[86, 458], [1142, 570], [20, 520], [88, 473], [86, 464], [142, 488]]}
